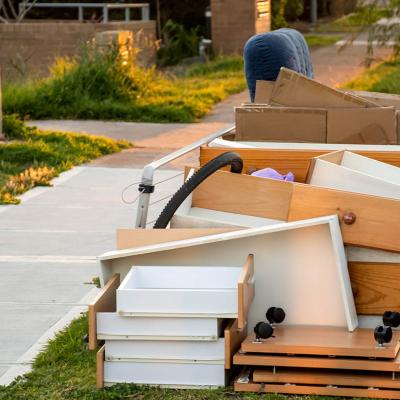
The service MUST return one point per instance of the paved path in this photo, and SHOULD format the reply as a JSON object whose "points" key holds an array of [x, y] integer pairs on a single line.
{"points": [[49, 242]]}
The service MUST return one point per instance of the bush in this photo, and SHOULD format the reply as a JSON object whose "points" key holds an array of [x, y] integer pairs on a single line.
{"points": [[178, 43], [285, 10]]}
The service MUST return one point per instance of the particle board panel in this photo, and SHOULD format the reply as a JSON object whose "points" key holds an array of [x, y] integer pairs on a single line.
{"points": [[317, 390], [294, 160], [348, 363], [105, 301], [127, 238], [329, 341], [233, 339], [375, 286], [100, 368], [336, 378]]}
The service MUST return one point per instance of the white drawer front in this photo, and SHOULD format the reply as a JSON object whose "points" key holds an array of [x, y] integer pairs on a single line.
{"points": [[113, 326], [166, 350], [159, 373], [200, 303]]}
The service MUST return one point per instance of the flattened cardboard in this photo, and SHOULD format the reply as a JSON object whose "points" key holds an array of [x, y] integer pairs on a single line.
{"points": [[296, 90], [281, 124], [264, 91], [383, 99], [398, 126], [362, 126]]}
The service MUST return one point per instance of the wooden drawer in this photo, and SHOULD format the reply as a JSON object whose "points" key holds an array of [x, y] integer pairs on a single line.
{"points": [[187, 292], [111, 326], [165, 373], [202, 351]]}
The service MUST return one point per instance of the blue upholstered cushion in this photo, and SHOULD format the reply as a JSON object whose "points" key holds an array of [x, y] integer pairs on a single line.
{"points": [[264, 54]]}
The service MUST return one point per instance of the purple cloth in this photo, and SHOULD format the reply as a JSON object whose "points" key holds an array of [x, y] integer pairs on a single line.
{"points": [[272, 174]]}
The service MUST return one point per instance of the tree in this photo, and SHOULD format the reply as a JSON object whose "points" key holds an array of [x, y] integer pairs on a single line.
{"points": [[11, 11]]}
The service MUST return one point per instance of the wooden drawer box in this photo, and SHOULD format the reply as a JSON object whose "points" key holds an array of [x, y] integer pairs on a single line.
{"points": [[164, 373], [182, 291], [202, 351], [111, 326]]}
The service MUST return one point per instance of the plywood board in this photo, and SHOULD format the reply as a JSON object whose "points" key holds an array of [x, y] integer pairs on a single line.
{"points": [[311, 248], [347, 363], [317, 390], [105, 301], [233, 338], [375, 286], [336, 378], [326, 341], [100, 368]]}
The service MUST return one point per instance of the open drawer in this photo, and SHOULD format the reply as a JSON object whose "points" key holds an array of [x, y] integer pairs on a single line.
{"points": [[203, 292]]}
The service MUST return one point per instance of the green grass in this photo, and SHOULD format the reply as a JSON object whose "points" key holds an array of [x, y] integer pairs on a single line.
{"points": [[354, 21], [65, 370], [102, 86], [322, 40], [32, 157], [383, 78]]}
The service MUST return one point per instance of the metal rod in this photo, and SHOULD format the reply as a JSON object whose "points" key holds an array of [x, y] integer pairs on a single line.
{"points": [[149, 169]]}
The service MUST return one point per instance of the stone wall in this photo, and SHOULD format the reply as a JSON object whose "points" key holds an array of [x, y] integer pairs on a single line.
{"points": [[29, 48], [235, 21]]}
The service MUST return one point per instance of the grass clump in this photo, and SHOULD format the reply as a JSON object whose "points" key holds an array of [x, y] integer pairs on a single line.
{"points": [[65, 370], [105, 85], [31, 157], [385, 78], [322, 40]]}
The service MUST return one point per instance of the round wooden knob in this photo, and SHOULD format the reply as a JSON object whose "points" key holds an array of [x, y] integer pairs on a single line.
{"points": [[349, 218]]}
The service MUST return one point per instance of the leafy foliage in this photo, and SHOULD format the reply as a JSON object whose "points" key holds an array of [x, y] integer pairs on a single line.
{"points": [[101, 85]]}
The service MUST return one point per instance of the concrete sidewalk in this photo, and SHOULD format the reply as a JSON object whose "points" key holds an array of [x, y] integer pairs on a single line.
{"points": [[48, 246]]}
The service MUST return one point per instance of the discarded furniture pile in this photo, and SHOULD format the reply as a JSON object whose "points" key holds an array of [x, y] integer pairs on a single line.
{"points": [[283, 278]]}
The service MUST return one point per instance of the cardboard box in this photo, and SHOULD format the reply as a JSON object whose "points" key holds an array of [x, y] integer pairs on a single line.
{"points": [[398, 126], [362, 126], [295, 90], [280, 124], [264, 91]]}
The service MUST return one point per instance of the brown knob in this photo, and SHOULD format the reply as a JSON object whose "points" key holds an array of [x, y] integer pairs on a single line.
{"points": [[349, 218]]}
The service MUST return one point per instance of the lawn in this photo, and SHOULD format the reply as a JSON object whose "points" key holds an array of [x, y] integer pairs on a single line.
{"points": [[385, 78], [66, 371], [321, 40], [31, 157], [101, 86]]}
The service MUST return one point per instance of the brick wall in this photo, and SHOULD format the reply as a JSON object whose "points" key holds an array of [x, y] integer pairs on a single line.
{"points": [[30, 48], [235, 21]]}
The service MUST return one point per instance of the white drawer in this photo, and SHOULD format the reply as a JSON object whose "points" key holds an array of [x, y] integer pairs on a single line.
{"points": [[187, 291], [164, 373], [114, 326], [205, 351]]}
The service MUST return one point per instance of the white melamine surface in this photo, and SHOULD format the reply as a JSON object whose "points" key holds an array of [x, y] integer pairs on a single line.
{"points": [[160, 373], [371, 167], [212, 351], [330, 175], [167, 290], [302, 146], [300, 266], [114, 326]]}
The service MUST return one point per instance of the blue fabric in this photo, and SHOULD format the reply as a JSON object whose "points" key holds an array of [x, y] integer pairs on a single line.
{"points": [[266, 53]]}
